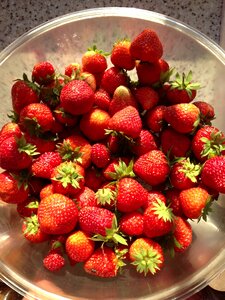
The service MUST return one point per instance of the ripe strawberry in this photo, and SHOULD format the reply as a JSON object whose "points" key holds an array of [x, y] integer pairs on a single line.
{"points": [[43, 73], [57, 214], [144, 143], [100, 155], [155, 118], [207, 142], [46, 191], [152, 167], [72, 70], [86, 197], [67, 178], [154, 195], [132, 223], [147, 97], [207, 113], [173, 200], [41, 143], [93, 178], [175, 144], [94, 61], [163, 65], [131, 195], [44, 165], [213, 173], [148, 73], [8, 130], [158, 219], [23, 92], [102, 263], [53, 261], [31, 230], [118, 168], [122, 97], [120, 55], [64, 117], [13, 188], [36, 118], [102, 99], [146, 46], [79, 246], [146, 255], [182, 234], [28, 207], [94, 123], [112, 78], [126, 121], [106, 196], [193, 201], [183, 117], [76, 97], [16, 153]]}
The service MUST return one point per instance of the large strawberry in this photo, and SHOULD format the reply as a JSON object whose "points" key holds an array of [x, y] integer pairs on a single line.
{"points": [[57, 214], [120, 55], [152, 167], [94, 61], [155, 118], [148, 73]]}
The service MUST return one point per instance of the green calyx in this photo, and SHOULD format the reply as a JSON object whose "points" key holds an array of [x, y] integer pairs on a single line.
{"points": [[120, 134], [207, 209], [31, 84], [22, 179], [122, 170], [32, 126], [162, 211], [105, 196], [67, 174], [68, 153], [190, 169], [213, 146], [96, 50], [32, 225], [33, 204], [25, 147]]}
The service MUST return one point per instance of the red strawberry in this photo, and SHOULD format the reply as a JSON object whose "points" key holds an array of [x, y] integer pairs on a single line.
{"points": [[132, 223], [93, 178], [54, 261], [106, 196], [207, 142], [182, 234], [100, 155], [31, 230], [158, 219], [77, 97], [94, 123], [207, 113], [175, 144], [146, 46], [57, 214], [120, 55], [126, 121], [79, 246], [64, 117], [153, 196], [147, 97], [130, 195], [8, 130], [119, 168], [148, 73], [13, 188], [46, 191], [72, 70], [163, 65], [102, 99], [193, 201], [94, 61], [43, 73], [152, 167], [144, 143], [155, 118], [213, 173], [42, 144], [147, 251], [183, 117], [44, 165], [173, 200], [112, 78], [28, 207], [86, 197]]}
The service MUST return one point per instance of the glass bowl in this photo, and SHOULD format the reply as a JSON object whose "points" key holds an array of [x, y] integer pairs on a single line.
{"points": [[62, 41]]}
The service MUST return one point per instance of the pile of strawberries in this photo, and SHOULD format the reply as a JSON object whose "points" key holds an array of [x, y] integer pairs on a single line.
{"points": [[108, 169]]}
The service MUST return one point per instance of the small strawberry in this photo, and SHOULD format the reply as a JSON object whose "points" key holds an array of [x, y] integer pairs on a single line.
{"points": [[173, 200], [94, 60], [79, 246], [155, 118], [86, 197], [102, 99], [43, 144], [8, 130], [144, 143], [28, 207], [152, 167], [120, 55], [146, 46], [106, 196], [43, 73], [44, 165], [182, 234], [183, 117], [153, 195], [147, 97], [100, 155], [46, 191], [148, 73], [72, 70], [31, 230], [94, 123], [57, 214], [146, 255], [207, 113], [93, 178], [132, 223], [53, 261], [64, 117]]}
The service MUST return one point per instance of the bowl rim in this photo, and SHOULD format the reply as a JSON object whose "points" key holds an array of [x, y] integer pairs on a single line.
{"points": [[194, 285]]}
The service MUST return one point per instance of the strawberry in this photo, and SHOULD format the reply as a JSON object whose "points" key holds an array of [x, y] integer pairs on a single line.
{"points": [[106, 196], [158, 219], [155, 118], [102, 99], [147, 97], [16, 153], [173, 200], [207, 142], [54, 261], [8, 130], [94, 123], [130, 195], [31, 230], [94, 60], [72, 69], [163, 65], [175, 144], [213, 173], [207, 113], [89, 78], [148, 73], [41, 143], [193, 201], [67, 178], [152, 167], [127, 122], [144, 143], [183, 117], [100, 155], [76, 97], [153, 195], [64, 117], [43, 73], [122, 97], [93, 178], [120, 55], [146, 255], [182, 234], [79, 247], [28, 207], [132, 223], [146, 46], [43, 166], [112, 78], [13, 188], [36, 118], [46, 191], [102, 263], [57, 214], [86, 197], [49, 94], [119, 168]]}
